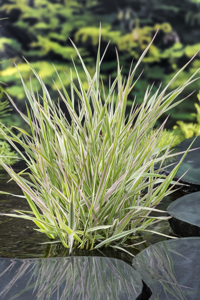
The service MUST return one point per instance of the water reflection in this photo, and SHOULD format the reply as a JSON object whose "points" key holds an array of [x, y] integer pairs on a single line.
{"points": [[68, 278], [171, 269]]}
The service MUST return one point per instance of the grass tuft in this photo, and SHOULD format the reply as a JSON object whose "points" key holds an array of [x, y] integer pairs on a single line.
{"points": [[93, 181]]}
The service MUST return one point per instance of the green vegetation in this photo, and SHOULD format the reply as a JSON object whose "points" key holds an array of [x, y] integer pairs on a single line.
{"points": [[9, 157], [93, 181], [46, 41], [187, 130], [130, 26]]}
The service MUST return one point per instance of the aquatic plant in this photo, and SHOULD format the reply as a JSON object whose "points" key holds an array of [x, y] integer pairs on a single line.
{"points": [[92, 179]]}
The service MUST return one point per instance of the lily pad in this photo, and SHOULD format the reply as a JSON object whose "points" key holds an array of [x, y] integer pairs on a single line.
{"points": [[171, 269], [69, 278], [185, 213], [191, 162]]}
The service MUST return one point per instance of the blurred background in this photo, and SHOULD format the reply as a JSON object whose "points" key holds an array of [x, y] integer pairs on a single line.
{"points": [[39, 30]]}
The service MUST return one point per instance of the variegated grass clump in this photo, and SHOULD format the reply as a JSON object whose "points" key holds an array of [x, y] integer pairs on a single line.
{"points": [[93, 180]]}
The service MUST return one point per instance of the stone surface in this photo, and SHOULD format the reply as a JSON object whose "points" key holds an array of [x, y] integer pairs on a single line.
{"points": [[186, 215], [171, 269], [69, 278]]}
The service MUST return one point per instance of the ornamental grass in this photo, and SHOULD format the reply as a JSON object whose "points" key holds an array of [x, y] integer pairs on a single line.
{"points": [[92, 180]]}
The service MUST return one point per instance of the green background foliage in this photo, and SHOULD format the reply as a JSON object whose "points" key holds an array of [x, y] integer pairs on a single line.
{"points": [[39, 31], [6, 153]]}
